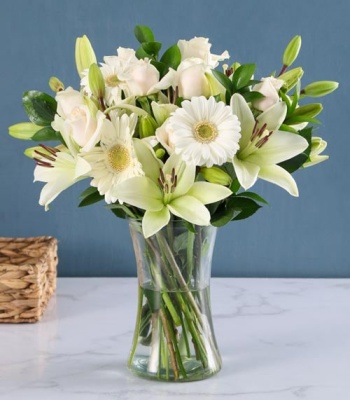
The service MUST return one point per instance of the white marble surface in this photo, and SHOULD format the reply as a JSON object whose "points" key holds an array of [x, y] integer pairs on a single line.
{"points": [[280, 339]]}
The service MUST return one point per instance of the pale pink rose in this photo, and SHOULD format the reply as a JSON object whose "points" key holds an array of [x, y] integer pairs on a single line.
{"points": [[141, 77]]}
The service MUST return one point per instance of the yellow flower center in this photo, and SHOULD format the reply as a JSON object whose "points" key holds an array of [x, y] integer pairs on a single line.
{"points": [[119, 158], [112, 80], [205, 132]]}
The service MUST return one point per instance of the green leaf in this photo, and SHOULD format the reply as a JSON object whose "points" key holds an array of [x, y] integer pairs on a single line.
{"points": [[253, 196], [243, 75], [172, 57], [143, 34], [122, 207], [45, 134], [161, 67], [90, 196], [224, 80], [222, 216], [235, 186], [152, 48], [189, 226], [296, 162], [88, 191], [40, 107], [246, 207], [251, 96], [140, 53]]}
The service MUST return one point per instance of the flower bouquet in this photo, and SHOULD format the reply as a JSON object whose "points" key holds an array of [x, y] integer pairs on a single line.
{"points": [[173, 142]]}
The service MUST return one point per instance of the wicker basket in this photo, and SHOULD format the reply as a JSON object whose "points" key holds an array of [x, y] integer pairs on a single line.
{"points": [[27, 277]]}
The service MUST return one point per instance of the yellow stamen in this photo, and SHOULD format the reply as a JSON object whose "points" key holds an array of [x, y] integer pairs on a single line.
{"points": [[205, 132], [119, 158]]}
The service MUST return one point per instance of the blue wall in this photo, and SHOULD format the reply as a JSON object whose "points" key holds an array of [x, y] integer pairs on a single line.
{"points": [[302, 237]]}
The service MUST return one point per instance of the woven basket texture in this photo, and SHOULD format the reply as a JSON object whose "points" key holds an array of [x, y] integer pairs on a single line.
{"points": [[27, 277]]}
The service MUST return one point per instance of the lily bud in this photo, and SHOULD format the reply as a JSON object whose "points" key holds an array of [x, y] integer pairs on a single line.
{"points": [[24, 130], [308, 110], [162, 111], [160, 153], [216, 175], [84, 54], [147, 126], [319, 88], [292, 50], [55, 84], [291, 77], [317, 147], [96, 81]]}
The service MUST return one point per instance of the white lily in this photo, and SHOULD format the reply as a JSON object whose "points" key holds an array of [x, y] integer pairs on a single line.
{"points": [[170, 190], [263, 146], [59, 169]]}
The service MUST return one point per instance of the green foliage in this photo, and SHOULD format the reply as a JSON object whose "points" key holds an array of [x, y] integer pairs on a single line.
{"points": [[242, 76], [90, 196], [237, 207], [172, 57], [40, 107], [45, 134], [143, 34], [152, 48], [224, 80]]}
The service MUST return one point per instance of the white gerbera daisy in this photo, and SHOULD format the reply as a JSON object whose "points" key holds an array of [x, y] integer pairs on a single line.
{"points": [[114, 81], [205, 132], [115, 160]]}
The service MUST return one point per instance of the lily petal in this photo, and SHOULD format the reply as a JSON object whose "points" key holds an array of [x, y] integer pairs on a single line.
{"points": [[185, 172], [82, 167], [208, 193], [279, 176], [281, 146], [190, 209], [247, 172], [274, 116], [141, 192], [150, 163], [241, 109], [154, 221]]}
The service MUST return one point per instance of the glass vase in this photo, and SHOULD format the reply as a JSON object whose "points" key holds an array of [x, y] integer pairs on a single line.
{"points": [[174, 337]]}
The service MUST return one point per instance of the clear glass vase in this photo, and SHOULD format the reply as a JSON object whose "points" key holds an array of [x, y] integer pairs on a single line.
{"points": [[174, 338]]}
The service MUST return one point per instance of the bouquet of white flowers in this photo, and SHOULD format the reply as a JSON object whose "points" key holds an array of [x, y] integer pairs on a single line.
{"points": [[168, 139]]}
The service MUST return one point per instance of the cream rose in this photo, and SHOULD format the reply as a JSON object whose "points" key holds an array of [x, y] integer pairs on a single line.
{"points": [[269, 87], [67, 100], [84, 128], [199, 47]]}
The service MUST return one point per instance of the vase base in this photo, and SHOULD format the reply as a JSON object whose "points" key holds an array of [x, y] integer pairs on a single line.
{"points": [[193, 368]]}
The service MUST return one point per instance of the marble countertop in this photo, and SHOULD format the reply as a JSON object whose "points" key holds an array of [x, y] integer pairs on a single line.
{"points": [[280, 339]]}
